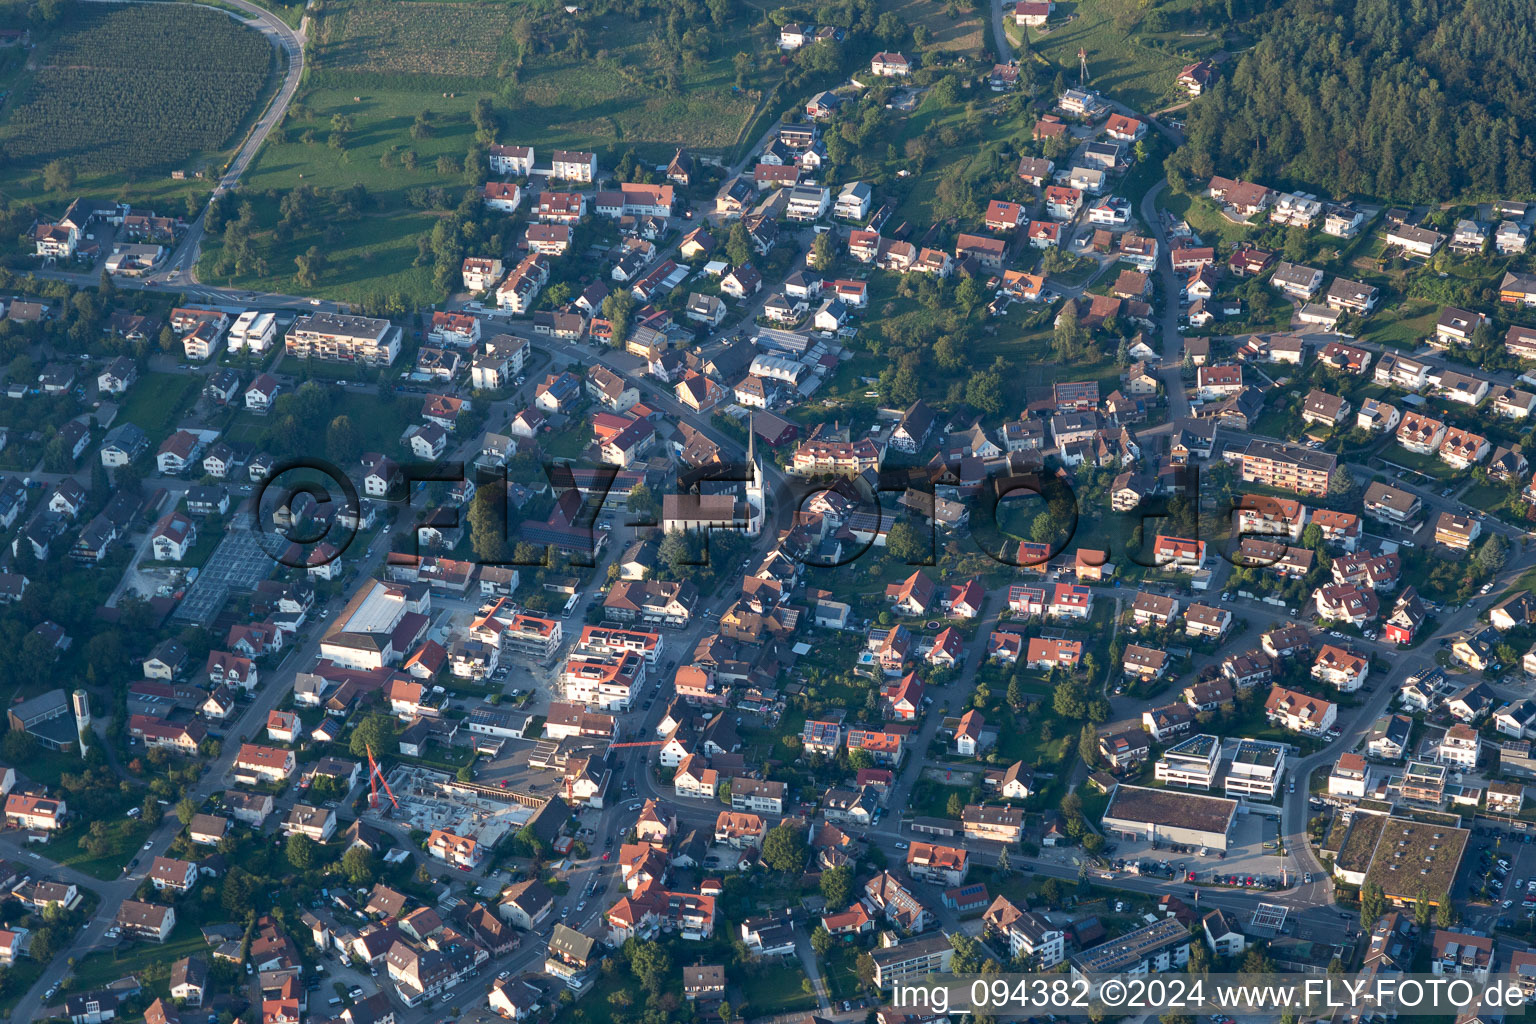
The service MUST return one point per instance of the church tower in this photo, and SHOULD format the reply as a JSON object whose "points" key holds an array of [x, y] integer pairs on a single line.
{"points": [[757, 504]]}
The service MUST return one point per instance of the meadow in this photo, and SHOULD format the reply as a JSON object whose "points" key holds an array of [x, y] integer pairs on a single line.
{"points": [[412, 39], [957, 34], [1128, 59], [589, 82], [609, 84]]}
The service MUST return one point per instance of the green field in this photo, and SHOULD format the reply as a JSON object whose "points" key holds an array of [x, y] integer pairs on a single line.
{"points": [[1405, 326], [379, 423], [1127, 58], [952, 29], [603, 82], [370, 256], [157, 399], [413, 39], [1208, 222], [127, 833], [119, 97]]}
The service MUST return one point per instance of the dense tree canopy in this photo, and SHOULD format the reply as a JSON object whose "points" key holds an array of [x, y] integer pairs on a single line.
{"points": [[1421, 101]]}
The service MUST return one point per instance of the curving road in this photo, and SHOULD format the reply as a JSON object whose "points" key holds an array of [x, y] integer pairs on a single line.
{"points": [[1004, 46], [291, 44]]}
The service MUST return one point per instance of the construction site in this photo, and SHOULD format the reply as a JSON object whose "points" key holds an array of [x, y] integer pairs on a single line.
{"points": [[429, 800]]}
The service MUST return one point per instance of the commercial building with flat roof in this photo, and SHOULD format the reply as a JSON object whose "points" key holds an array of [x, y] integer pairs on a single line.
{"points": [[1409, 860], [362, 635], [1190, 764], [1167, 816], [1256, 770]]}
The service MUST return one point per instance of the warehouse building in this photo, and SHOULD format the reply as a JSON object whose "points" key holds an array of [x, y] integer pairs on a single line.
{"points": [[1168, 816]]}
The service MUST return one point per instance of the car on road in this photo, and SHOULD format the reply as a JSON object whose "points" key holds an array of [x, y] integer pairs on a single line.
{"points": [[149, 845], [901, 846], [1334, 632], [581, 906], [565, 911]]}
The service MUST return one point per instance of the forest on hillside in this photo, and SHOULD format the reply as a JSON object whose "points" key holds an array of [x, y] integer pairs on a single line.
{"points": [[1410, 100]]}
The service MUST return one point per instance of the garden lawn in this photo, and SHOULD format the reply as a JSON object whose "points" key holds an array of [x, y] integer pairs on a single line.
{"points": [[379, 424], [569, 443], [47, 767], [1203, 216], [773, 988], [1526, 582], [1404, 326], [156, 400], [95, 970], [1488, 497], [1429, 465], [17, 982], [839, 972], [930, 798]]}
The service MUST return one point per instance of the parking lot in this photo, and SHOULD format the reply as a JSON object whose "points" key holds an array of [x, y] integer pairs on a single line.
{"points": [[1252, 853], [1482, 878]]}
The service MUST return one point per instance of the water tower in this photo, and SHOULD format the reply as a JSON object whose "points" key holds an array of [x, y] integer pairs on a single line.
{"points": [[82, 702]]}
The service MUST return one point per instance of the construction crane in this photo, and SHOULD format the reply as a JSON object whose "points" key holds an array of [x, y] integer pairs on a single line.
{"points": [[375, 779], [637, 743], [1082, 66]]}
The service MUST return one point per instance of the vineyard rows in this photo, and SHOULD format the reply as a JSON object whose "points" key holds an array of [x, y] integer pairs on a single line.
{"points": [[139, 87]]}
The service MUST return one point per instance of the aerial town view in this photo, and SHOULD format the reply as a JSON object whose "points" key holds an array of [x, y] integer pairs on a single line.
{"points": [[767, 512]]}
